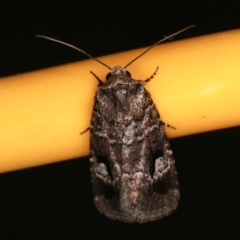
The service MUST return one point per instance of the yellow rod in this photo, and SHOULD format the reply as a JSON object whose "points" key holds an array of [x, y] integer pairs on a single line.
{"points": [[196, 90]]}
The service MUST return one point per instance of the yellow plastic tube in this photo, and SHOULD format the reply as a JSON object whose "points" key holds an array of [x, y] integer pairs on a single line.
{"points": [[196, 89]]}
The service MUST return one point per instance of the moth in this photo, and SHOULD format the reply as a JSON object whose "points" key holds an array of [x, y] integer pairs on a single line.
{"points": [[132, 166]]}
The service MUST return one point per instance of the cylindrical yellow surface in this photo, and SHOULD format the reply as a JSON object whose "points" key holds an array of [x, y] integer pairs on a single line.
{"points": [[196, 89]]}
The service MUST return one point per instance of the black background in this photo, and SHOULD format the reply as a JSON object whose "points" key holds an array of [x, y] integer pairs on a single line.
{"points": [[55, 201]]}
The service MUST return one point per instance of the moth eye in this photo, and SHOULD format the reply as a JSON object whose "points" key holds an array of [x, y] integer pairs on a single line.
{"points": [[108, 75], [128, 73]]}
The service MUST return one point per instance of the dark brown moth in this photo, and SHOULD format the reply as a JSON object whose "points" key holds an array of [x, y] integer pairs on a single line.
{"points": [[132, 166]]}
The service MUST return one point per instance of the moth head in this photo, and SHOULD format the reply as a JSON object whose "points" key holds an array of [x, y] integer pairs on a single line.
{"points": [[118, 71]]}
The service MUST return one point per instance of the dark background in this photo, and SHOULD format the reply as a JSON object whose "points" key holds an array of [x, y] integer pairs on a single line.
{"points": [[55, 201]]}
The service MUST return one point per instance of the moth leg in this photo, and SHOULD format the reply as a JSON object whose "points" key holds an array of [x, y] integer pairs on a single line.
{"points": [[100, 82], [167, 125], [85, 130], [147, 80]]}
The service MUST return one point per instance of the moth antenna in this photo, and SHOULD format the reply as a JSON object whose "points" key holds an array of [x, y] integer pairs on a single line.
{"points": [[162, 40], [78, 49]]}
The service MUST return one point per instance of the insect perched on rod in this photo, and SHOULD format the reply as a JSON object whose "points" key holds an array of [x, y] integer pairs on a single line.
{"points": [[132, 165]]}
